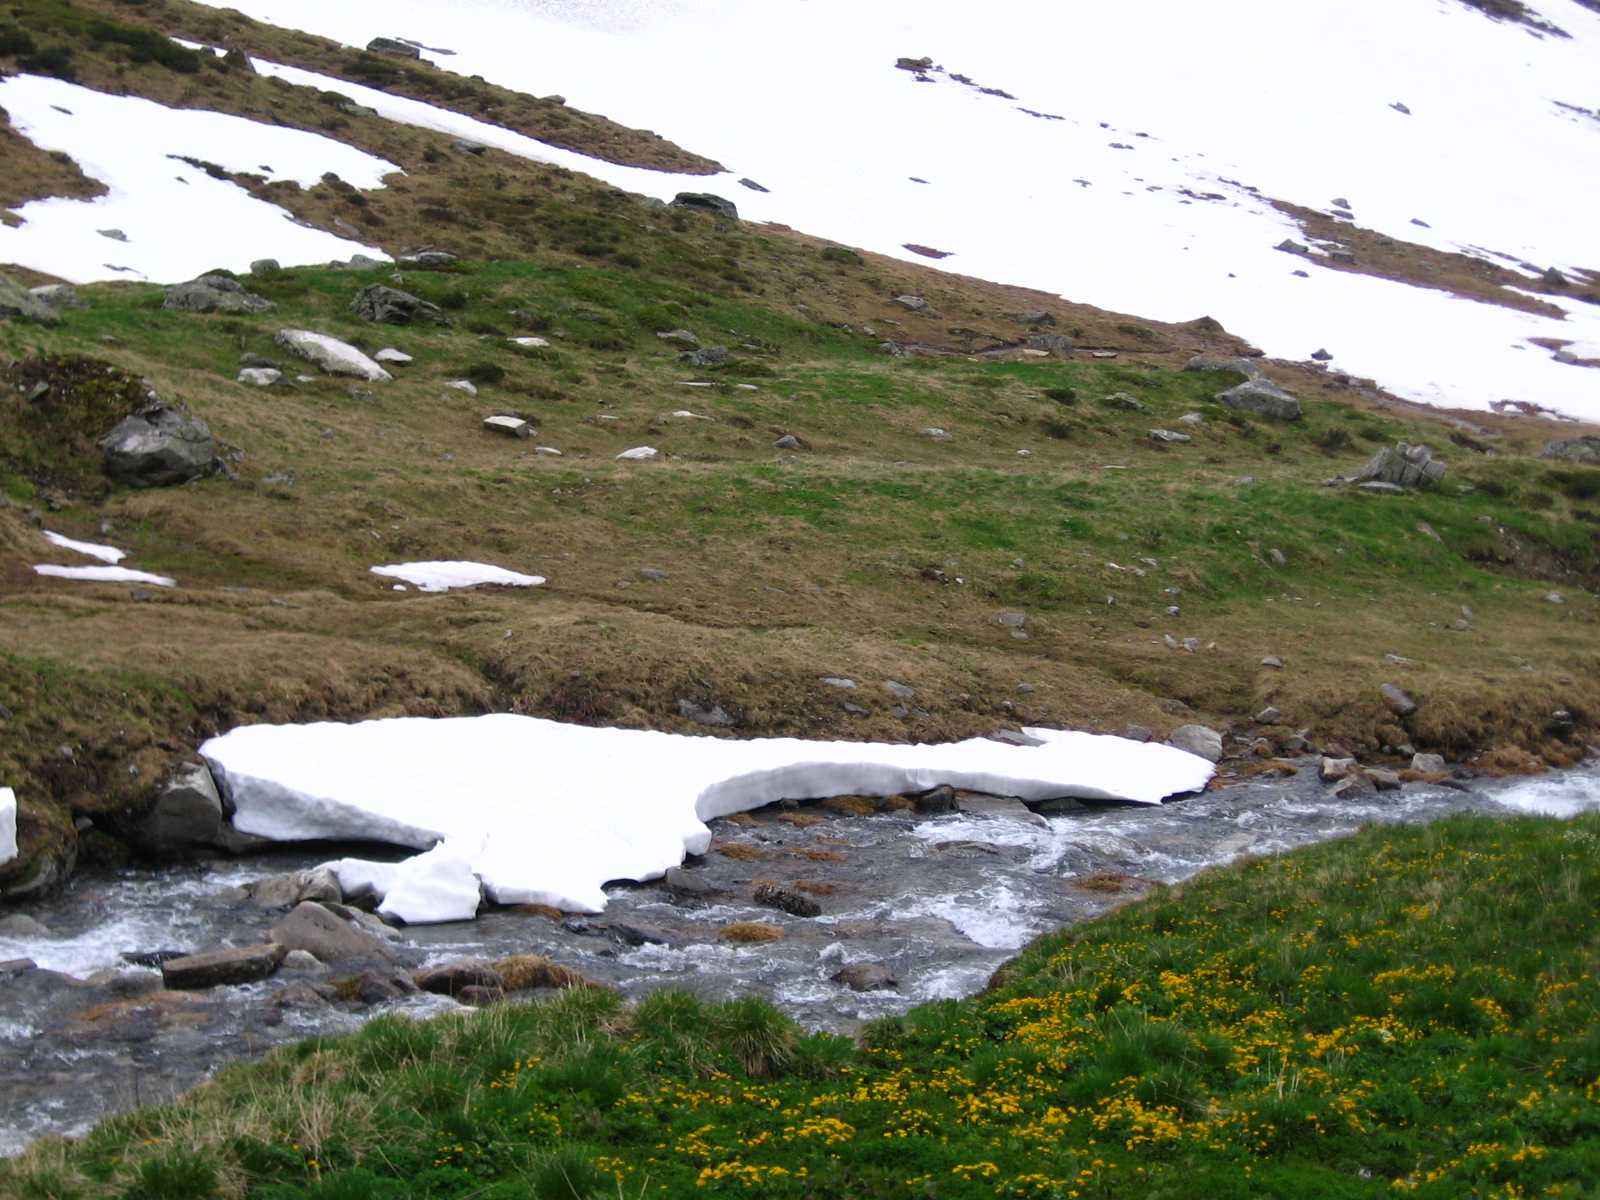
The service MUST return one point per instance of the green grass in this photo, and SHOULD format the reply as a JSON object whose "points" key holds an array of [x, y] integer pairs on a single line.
{"points": [[1407, 1012]]}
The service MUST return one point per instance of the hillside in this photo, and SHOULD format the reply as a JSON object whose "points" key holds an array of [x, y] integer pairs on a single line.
{"points": [[869, 549]]}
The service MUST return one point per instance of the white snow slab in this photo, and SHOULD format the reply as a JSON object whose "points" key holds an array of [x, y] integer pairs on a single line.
{"points": [[106, 554], [8, 825], [105, 575], [546, 813], [640, 452], [177, 219], [441, 576], [1118, 156]]}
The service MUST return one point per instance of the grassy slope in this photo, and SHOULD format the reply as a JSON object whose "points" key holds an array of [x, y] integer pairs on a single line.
{"points": [[1408, 1012]]}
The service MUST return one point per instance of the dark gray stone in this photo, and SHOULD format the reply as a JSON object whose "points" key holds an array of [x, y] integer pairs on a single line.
{"points": [[1400, 704], [429, 258], [703, 716], [1403, 465], [913, 303], [1240, 366], [383, 45], [1263, 397], [158, 448], [187, 814], [707, 203], [219, 968], [390, 306], [793, 903], [866, 977], [214, 293], [690, 883], [1055, 343], [450, 979], [941, 799], [631, 934], [265, 266]]}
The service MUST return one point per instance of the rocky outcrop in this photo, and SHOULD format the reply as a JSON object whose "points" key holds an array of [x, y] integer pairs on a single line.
{"points": [[17, 301], [158, 447], [327, 934], [707, 203], [1240, 366], [390, 306], [1583, 450], [1402, 465], [214, 293], [188, 815], [1197, 739]]}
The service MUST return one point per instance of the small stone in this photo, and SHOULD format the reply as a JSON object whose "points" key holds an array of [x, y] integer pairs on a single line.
{"points": [[938, 800], [691, 883], [302, 960], [464, 146], [787, 442], [21, 927], [1012, 620], [1170, 436], [796, 905], [1321, 355], [398, 49], [265, 266], [703, 716], [654, 574], [914, 303], [260, 376], [1399, 703], [462, 385], [866, 977], [934, 431], [1279, 559], [1555, 598], [1026, 688], [1384, 781], [899, 690], [640, 453], [682, 336], [1272, 660], [1270, 716], [856, 709], [510, 426], [1137, 733], [838, 681], [1355, 784], [1430, 764]]}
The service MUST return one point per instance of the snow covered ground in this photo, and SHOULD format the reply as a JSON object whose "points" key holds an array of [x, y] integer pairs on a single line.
{"points": [[1090, 176], [162, 218], [442, 576], [546, 813], [103, 574], [8, 825]]}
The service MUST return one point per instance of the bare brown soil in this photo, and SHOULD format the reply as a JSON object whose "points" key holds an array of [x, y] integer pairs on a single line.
{"points": [[34, 174]]}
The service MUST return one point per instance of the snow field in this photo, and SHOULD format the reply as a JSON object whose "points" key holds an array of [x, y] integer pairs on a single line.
{"points": [[8, 825], [1160, 104], [441, 576], [546, 813], [176, 219]]}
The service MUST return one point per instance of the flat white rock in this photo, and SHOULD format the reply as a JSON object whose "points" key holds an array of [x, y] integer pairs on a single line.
{"points": [[462, 385], [514, 426], [641, 452], [528, 341], [441, 576], [260, 376], [546, 813], [390, 355], [106, 554], [332, 355], [8, 825], [105, 575]]}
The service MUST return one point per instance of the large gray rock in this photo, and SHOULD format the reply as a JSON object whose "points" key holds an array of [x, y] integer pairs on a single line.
{"points": [[218, 968], [214, 293], [1400, 704], [1197, 739], [1403, 465], [390, 306], [187, 814], [1055, 343], [18, 301], [1241, 366], [1262, 397], [318, 930], [707, 203], [332, 355], [1584, 450], [383, 45], [158, 447], [58, 295], [294, 887]]}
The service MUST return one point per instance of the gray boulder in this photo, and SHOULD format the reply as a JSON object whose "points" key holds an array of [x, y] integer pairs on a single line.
{"points": [[18, 301], [1197, 739], [158, 448], [1262, 397], [782, 899], [704, 716], [358, 262], [318, 930], [265, 266], [390, 306], [678, 335], [332, 355], [1400, 704], [430, 258], [218, 968], [1033, 318], [295, 887], [214, 293], [707, 203], [1403, 465], [187, 814], [913, 303], [1583, 450], [1241, 366], [710, 356]]}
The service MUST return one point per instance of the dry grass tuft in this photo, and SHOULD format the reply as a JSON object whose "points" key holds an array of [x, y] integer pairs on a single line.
{"points": [[1108, 881], [856, 806], [813, 855], [522, 971], [539, 910], [750, 931], [742, 852], [801, 820]]}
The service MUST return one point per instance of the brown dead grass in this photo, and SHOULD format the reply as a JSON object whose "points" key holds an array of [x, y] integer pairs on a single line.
{"points": [[856, 806], [1110, 882], [537, 971], [750, 931], [801, 820], [743, 852], [813, 855]]}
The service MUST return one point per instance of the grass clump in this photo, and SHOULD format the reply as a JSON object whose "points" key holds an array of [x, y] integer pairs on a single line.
{"points": [[1409, 1012]]}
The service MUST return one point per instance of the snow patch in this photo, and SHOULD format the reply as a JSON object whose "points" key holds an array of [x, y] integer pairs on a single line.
{"points": [[106, 554], [8, 825], [546, 813], [105, 575], [178, 221], [441, 576]]}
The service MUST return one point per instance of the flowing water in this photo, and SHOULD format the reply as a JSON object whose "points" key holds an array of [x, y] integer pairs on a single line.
{"points": [[940, 901]]}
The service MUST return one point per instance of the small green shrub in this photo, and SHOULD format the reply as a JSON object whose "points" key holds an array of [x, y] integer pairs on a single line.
{"points": [[485, 373], [1062, 395], [845, 258]]}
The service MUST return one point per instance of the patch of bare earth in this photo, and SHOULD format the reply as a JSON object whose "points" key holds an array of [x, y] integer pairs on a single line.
{"points": [[33, 174]]}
